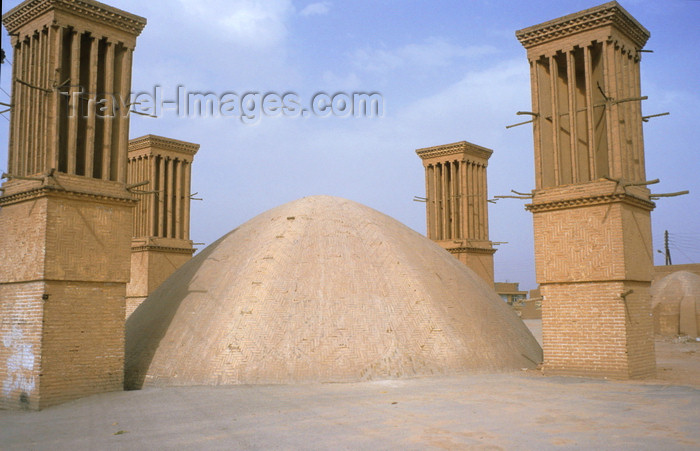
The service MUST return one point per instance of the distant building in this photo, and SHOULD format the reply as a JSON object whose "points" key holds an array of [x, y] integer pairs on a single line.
{"points": [[530, 308], [662, 271], [675, 301], [510, 292]]}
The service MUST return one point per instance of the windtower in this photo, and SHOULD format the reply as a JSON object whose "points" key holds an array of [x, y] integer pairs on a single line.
{"points": [[162, 168], [65, 211], [591, 208], [456, 203]]}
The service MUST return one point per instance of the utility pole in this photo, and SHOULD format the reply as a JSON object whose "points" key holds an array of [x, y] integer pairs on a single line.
{"points": [[668, 251]]}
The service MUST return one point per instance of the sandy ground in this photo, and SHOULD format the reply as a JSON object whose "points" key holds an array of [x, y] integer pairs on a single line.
{"points": [[678, 362], [522, 410]]}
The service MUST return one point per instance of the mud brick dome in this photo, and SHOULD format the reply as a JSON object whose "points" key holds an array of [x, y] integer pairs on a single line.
{"points": [[675, 301], [321, 289]]}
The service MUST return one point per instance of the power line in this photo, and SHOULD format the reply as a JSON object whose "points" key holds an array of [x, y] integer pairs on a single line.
{"points": [[688, 244], [683, 244], [690, 260], [686, 235], [685, 248], [684, 240]]}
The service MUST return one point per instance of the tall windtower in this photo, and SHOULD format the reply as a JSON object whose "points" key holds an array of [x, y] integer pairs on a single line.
{"points": [[65, 212], [591, 208], [161, 234], [456, 203]]}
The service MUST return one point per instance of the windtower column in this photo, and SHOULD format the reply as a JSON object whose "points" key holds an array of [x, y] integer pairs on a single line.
{"points": [[591, 208], [161, 233], [65, 211], [456, 206]]}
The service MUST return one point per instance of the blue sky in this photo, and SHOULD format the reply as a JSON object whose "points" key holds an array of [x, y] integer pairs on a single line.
{"points": [[447, 71]]}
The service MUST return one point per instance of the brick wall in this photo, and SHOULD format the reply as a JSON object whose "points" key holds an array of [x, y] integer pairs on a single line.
{"points": [[480, 263], [592, 226], [594, 266], [138, 281], [588, 329], [63, 274], [83, 340], [132, 304], [22, 250], [663, 270], [21, 310], [88, 240], [150, 267], [597, 242]]}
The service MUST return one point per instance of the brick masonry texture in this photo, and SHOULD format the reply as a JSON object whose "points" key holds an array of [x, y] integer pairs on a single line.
{"points": [[589, 329], [149, 269], [161, 241], [21, 310], [63, 313], [65, 214], [610, 241], [22, 244], [88, 241], [480, 263], [588, 258], [83, 340], [591, 208], [322, 289], [456, 205]]}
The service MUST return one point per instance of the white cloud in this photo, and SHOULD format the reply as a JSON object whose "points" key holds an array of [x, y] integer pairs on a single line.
{"points": [[346, 81], [432, 53], [254, 23], [316, 9]]}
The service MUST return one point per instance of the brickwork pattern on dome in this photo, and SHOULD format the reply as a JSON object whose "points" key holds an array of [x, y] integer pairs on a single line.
{"points": [[675, 301], [318, 290]]}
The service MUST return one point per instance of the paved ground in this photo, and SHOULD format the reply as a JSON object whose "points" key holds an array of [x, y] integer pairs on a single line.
{"points": [[509, 411]]}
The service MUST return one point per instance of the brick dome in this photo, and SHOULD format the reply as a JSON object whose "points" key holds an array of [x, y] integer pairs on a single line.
{"points": [[321, 289], [675, 302]]}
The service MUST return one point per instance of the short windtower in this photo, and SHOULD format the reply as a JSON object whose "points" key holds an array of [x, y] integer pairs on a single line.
{"points": [[591, 208], [161, 167], [65, 211], [456, 203]]}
